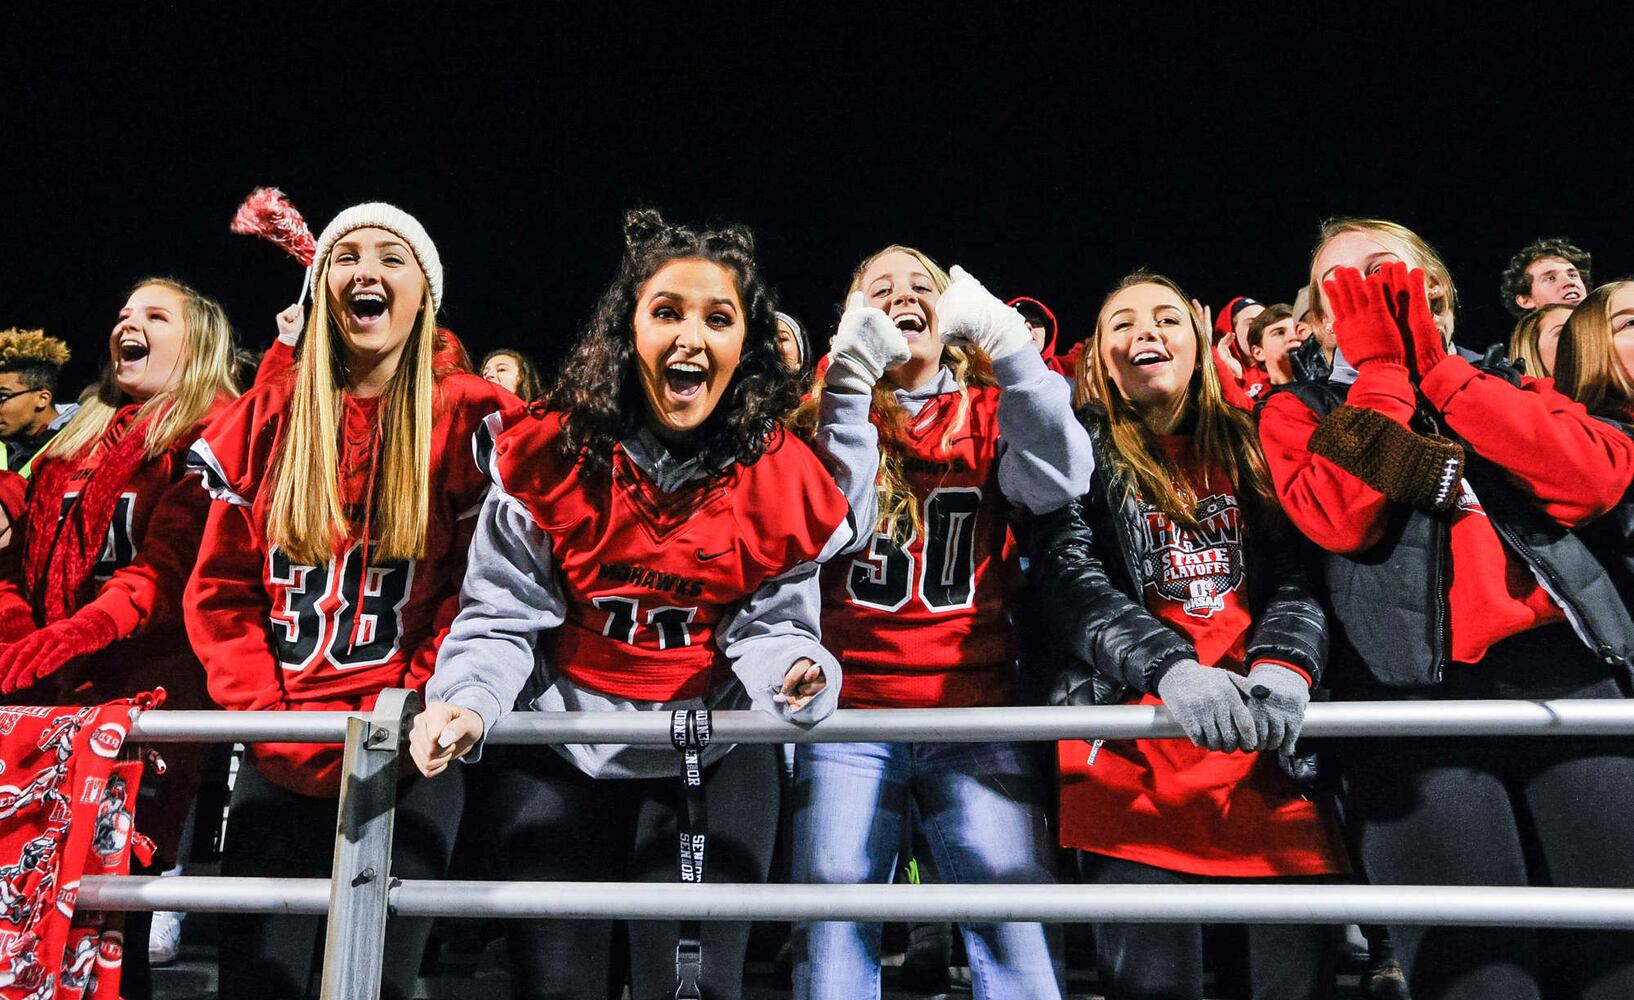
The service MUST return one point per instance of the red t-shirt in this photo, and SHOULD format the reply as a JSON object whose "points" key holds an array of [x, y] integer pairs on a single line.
{"points": [[1169, 803]]}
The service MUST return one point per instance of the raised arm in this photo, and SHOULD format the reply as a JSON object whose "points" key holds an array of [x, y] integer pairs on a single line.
{"points": [[1575, 466], [1044, 453]]}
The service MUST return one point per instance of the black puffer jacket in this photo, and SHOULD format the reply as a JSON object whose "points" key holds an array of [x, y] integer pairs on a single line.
{"points": [[1085, 560]]}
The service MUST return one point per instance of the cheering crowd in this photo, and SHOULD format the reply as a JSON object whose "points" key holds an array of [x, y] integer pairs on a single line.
{"points": [[943, 505]]}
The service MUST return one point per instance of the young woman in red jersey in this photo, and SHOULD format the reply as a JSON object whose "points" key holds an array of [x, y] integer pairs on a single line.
{"points": [[110, 533], [330, 570], [650, 542], [1177, 581], [1445, 495], [969, 425]]}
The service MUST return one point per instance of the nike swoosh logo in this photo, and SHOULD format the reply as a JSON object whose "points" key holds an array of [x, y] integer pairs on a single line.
{"points": [[702, 557]]}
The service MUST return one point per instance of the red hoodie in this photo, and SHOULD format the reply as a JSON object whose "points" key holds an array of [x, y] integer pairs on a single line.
{"points": [[1573, 466], [1254, 381], [1062, 364], [275, 634]]}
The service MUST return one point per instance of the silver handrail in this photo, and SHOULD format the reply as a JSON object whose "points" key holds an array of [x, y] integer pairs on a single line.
{"points": [[359, 891]]}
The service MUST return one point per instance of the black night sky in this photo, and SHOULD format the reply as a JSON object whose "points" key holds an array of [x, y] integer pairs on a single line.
{"points": [[1047, 147]]}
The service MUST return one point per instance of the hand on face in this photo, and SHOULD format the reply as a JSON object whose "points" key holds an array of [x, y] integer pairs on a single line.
{"points": [[1385, 317], [689, 336], [866, 345], [376, 290], [148, 341]]}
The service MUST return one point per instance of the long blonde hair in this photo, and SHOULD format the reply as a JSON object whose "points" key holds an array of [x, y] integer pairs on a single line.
{"points": [[307, 518], [1224, 435], [1438, 284], [1523, 341], [1586, 367], [898, 511], [206, 366]]}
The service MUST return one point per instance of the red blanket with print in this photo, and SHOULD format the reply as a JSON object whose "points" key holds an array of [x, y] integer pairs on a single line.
{"points": [[66, 798]]}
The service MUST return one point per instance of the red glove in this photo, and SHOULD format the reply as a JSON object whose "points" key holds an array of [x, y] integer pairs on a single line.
{"points": [[1409, 303], [45, 651], [1362, 320]]}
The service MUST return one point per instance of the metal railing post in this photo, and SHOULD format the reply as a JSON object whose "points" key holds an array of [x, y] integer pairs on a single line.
{"points": [[354, 946]]}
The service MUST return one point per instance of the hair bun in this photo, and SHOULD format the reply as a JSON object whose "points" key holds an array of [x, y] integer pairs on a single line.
{"points": [[736, 237], [643, 226]]}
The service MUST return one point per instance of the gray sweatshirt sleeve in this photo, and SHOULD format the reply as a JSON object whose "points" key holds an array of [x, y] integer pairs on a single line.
{"points": [[848, 443], [766, 632], [511, 593], [1044, 453]]}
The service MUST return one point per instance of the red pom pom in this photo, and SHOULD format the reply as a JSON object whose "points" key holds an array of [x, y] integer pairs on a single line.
{"points": [[267, 213]]}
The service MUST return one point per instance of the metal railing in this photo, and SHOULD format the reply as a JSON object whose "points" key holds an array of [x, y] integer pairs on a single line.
{"points": [[360, 892]]}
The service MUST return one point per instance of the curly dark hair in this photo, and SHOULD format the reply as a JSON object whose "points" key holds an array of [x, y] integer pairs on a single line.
{"points": [[598, 390], [1516, 282]]}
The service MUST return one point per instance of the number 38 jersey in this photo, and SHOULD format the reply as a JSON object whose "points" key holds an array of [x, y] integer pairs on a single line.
{"points": [[276, 633], [648, 573], [920, 622]]}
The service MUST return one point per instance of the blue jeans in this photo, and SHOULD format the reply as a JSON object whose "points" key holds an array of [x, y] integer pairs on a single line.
{"points": [[981, 806]]}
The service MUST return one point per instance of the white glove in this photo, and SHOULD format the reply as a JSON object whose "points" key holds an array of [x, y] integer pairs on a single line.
{"points": [[866, 344], [968, 314]]}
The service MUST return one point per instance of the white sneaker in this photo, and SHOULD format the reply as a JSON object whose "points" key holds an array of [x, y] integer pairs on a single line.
{"points": [[165, 939]]}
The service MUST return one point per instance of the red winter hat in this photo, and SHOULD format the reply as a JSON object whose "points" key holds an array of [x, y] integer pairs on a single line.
{"points": [[1031, 308]]}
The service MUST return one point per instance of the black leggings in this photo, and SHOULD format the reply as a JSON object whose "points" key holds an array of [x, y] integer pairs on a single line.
{"points": [[556, 824], [1165, 961], [1503, 811], [274, 832]]}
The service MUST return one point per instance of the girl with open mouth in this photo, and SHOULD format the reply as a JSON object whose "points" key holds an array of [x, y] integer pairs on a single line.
{"points": [[651, 542], [330, 566], [969, 425], [108, 540], [1177, 581]]}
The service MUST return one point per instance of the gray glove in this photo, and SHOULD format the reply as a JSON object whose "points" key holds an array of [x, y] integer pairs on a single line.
{"points": [[1277, 698], [866, 344], [1209, 706]]}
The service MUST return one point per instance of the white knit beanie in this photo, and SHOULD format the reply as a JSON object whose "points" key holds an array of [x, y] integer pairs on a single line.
{"points": [[379, 215]]}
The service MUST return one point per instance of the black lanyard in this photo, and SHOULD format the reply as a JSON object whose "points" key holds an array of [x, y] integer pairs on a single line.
{"points": [[689, 732]]}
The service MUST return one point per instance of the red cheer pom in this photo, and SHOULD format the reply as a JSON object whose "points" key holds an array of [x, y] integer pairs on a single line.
{"points": [[268, 213]]}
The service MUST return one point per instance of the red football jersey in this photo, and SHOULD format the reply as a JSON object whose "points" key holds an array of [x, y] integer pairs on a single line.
{"points": [[648, 575], [147, 546], [923, 624], [276, 634]]}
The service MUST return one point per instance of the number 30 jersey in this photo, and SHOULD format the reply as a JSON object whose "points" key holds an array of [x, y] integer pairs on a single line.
{"points": [[275, 633], [920, 622]]}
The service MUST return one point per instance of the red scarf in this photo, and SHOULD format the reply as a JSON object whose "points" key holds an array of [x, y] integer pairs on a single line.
{"points": [[63, 548]]}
